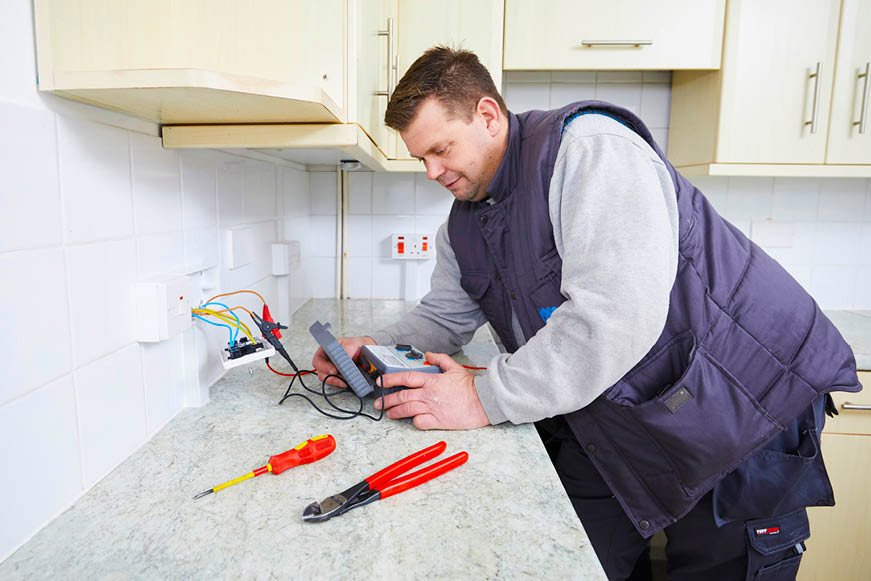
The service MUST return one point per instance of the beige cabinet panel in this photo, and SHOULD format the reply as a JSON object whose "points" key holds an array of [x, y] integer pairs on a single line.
{"points": [[852, 421], [848, 141], [475, 25], [771, 50], [572, 34]]}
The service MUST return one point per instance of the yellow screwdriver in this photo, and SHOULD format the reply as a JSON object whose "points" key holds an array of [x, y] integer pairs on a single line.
{"points": [[309, 451]]}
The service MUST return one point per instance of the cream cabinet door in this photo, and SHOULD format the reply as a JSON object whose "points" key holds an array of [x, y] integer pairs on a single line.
{"points": [[372, 34], [617, 34], [475, 25], [774, 106], [850, 129]]}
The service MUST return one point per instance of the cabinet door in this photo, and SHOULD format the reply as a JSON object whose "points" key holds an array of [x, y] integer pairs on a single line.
{"points": [[771, 50], [473, 25], [572, 34], [369, 64], [848, 142]]}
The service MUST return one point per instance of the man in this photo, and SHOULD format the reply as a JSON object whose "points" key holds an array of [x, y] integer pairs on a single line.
{"points": [[677, 374]]}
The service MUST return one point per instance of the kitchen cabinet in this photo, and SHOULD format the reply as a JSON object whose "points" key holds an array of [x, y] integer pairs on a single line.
{"points": [[767, 111], [619, 34], [475, 26], [840, 535]]}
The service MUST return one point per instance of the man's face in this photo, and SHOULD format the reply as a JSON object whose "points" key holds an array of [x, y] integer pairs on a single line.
{"points": [[462, 156]]}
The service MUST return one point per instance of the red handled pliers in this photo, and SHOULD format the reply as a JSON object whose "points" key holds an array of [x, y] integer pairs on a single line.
{"points": [[385, 483]]}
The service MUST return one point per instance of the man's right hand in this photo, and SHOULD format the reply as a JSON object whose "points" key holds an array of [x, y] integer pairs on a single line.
{"points": [[324, 367]]}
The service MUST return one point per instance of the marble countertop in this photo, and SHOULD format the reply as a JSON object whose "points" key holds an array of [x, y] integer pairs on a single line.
{"points": [[855, 326], [502, 515]]}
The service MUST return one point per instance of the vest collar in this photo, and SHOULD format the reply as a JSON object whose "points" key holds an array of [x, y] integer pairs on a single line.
{"points": [[506, 175]]}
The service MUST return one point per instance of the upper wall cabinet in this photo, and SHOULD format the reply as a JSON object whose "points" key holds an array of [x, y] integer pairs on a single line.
{"points": [[198, 61], [617, 34], [791, 96], [474, 26]]}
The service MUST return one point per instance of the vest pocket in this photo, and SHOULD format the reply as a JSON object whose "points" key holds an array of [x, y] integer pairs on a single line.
{"points": [[705, 423]]}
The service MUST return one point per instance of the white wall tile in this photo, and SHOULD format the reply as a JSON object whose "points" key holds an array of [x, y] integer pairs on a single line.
{"points": [[767, 233], [572, 77], [33, 308], [111, 409], [839, 243], [360, 192], [865, 245], [715, 190], [834, 287], [803, 251], [102, 292], [262, 235], [514, 77], [163, 372], [159, 255], [199, 192], [796, 199], [431, 198], [323, 236], [424, 274], [428, 224], [299, 228], [655, 105], [383, 228], [201, 248], [868, 201], [30, 207], [359, 277], [323, 193], [802, 274], [842, 199], [297, 198], [562, 94], [619, 77], [260, 198], [387, 278], [358, 230], [393, 193], [526, 97], [95, 180], [231, 191], [17, 57], [40, 459], [323, 277], [627, 95], [863, 289], [156, 185], [660, 136], [656, 77], [749, 199]]}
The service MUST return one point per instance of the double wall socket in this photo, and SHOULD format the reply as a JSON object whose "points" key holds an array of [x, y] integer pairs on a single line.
{"points": [[412, 246]]}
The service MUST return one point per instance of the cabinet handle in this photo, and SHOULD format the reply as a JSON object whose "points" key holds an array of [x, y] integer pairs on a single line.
{"points": [[635, 43], [863, 115], [852, 406], [816, 77], [391, 69]]}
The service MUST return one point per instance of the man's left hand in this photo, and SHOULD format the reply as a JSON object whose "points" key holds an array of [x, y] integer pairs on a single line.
{"points": [[445, 401]]}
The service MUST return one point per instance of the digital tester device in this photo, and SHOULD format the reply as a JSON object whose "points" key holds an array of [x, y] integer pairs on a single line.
{"points": [[374, 361]]}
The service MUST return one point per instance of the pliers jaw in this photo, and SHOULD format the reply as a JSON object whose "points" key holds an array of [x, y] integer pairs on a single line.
{"points": [[266, 329], [358, 495]]}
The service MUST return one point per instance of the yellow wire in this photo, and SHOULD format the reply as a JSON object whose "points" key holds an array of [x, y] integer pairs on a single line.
{"points": [[236, 293], [229, 320]]}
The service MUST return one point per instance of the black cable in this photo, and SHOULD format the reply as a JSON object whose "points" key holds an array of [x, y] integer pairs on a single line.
{"points": [[327, 395]]}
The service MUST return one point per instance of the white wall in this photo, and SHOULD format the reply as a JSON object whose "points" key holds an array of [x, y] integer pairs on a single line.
{"points": [[86, 210]]}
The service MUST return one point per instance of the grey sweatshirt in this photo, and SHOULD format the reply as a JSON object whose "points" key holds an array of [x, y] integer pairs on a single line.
{"points": [[614, 213]]}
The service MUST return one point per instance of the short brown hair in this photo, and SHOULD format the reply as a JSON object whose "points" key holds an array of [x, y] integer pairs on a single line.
{"points": [[455, 77]]}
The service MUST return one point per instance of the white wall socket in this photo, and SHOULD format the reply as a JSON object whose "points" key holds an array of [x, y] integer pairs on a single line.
{"points": [[412, 246], [163, 307]]}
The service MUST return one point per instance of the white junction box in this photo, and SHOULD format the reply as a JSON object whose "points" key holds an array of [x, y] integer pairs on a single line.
{"points": [[238, 247], [412, 246], [163, 307]]}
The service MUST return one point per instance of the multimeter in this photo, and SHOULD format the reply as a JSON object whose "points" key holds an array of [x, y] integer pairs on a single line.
{"points": [[374, 361]]}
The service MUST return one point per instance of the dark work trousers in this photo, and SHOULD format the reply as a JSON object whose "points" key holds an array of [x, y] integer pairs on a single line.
{"points": [[696, 547]]}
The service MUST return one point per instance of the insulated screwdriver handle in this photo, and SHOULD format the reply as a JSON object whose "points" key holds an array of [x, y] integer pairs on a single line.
{"points": [[309, 451]]}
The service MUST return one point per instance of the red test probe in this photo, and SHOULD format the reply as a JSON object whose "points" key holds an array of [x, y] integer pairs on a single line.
{"points": [[309, 451]]}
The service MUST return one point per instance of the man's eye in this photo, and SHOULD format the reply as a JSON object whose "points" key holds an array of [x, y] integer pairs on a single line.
{"points": [[441, 151]]}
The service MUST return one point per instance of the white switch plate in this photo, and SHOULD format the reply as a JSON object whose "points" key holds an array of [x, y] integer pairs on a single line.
{"points": [[412, 246], [238, 247], [163, 307]]}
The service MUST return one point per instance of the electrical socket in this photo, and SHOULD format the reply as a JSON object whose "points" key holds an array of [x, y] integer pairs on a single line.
{"points": [[263, 351], [163, 307], [412, 246]]}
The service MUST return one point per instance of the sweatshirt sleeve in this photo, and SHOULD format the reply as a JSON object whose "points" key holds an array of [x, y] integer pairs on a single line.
{"points": [[614, 213], [446, 318]]}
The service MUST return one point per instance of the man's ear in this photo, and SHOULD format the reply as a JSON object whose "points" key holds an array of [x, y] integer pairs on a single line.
{"points": [[488, 109]]}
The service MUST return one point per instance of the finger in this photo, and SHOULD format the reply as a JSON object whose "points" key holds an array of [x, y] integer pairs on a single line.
{"points": [[425, 422], [336, 382], [399, 397], [408, 410], [443, 360], [406, 378]]}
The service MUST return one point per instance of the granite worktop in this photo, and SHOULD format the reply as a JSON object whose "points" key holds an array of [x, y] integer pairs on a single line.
{"points": [[855, 327], [503, 514]]}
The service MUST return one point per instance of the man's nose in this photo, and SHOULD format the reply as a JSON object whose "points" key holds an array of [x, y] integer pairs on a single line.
{"points": [[434, 170]]}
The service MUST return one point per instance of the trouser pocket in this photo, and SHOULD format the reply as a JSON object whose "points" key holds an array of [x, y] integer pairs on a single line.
{"points": [[776, 545]]}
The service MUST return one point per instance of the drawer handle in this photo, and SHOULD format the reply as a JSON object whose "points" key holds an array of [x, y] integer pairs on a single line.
{"points": [[391, 68], [852, 406], [816, 77], [863, 116], [635, 43]]}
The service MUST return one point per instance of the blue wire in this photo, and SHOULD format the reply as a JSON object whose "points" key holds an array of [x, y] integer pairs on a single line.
{"points": [[229, 328], [234, 332]]}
